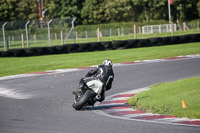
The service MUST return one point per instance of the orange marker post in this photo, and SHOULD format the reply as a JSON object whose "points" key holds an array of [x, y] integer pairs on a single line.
{"points": [[184, 104]]}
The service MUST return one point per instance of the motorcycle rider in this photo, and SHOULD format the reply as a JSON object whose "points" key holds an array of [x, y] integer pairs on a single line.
{"points": [[100, 78]]}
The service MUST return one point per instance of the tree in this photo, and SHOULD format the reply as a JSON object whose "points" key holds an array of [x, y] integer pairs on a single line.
{"points": [[104, 11], [186, 9], [150, 9], [101, 11], [92, 12], [182, 10], [27, 10], [66, 8], [7, 10], [198, 8], [54, 8], [119, 10]]}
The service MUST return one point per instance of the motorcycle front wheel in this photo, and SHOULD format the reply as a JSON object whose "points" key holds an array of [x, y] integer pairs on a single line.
{"points": [[78, 104]]}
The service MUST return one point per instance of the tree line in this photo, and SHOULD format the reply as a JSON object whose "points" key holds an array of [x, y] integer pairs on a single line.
{"points": [[101, 11]]}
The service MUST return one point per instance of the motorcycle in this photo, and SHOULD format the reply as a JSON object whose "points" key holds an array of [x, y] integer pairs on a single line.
{"points": [[89, 95]]}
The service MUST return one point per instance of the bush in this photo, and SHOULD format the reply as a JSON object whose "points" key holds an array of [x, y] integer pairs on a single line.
{"points": [[193, 23], [105, 26], [155, 22], [118, 25]]}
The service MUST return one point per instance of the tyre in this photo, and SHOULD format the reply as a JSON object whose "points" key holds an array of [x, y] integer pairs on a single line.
{"points": [[195, 37], [72, 48], [144, 43], [107, 45], [83, 100], [185, 39], [85, 47], [119, 44], [19, 53], [132, 43], [175, 39], [97, 46], [157, 41]]}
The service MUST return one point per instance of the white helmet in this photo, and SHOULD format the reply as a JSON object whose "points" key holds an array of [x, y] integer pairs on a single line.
{"points": [[107, 62]]}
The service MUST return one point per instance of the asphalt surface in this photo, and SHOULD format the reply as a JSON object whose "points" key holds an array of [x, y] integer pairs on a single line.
{"points": [[44, 103]]}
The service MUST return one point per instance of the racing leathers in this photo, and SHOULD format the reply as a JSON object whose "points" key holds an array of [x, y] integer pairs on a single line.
{"points": [[99, 79]]}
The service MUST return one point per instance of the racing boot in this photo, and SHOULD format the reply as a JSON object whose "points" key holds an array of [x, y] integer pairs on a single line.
{"points": [[79, 90]]}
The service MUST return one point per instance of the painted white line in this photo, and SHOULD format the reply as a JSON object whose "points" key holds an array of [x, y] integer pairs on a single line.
{"points": [[155, 60], [129, 92], [32, 75], [94, 66], [193, 56], [117, 64], [14, 94], [63, 70], [118, 98], [171, 120], [112, 104], [17, 76], [131, 116], [116, 110], [139, 61]]}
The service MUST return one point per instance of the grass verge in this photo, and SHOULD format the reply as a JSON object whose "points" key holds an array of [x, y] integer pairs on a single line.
{"points": [[166, 98], [19, 65]]}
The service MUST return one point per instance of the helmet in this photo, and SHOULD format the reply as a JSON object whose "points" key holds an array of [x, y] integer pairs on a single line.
{"points": [[107, 62]]}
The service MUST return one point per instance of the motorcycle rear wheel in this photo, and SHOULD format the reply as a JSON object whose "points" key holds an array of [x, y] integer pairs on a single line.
{"points": [[83, 100]]}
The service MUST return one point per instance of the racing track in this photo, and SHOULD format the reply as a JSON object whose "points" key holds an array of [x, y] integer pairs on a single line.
{"points": [[42, 104]]}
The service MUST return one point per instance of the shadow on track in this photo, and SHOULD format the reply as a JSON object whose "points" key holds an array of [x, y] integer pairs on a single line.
{"points": [[105, 107]]}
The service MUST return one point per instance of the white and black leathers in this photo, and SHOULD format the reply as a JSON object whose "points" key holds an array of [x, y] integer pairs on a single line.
{"points": [[99, 79], [103, 73]]}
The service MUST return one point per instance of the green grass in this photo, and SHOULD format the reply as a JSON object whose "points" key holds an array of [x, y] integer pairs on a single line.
{"points": [[19, 65], [166, 98]]}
